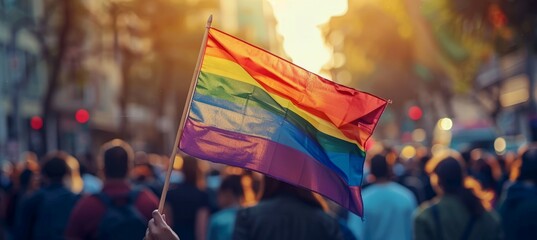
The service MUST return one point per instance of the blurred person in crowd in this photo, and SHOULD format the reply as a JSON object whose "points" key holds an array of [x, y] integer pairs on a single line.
{"points": [[213, 181], [44, 214], [21, 188], [416, 178], [411, 179], [229, 196], [5, 169], [425, 179], [187, 203], [73, 181], [92, 184], [502, 164], [160, 164], [24, 181], [119, 211], [286, 212], [341, 215], [486, 171], [457, 213], [252, 183], [512, 167], [519, 210], [144, 174], [388, 206], [30, 161]]}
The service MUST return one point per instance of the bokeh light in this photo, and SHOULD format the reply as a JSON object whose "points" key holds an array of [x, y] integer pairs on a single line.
{"points": [[500, 145], [415, 113], [419, 135], [36, 123], [408, 152], [82, 116], [178, 162], [445, 124]]}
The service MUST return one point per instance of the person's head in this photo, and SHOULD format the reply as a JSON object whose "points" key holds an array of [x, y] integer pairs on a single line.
{"points": [[141, 157], [380, 168], [25, 179], [487, 171], [54, 168], [273, 187], [29, 161], [87, 163], [448, 178], [230, 191], [448, 175], [116, 159], [528, 169], [143, 172], [192, 171]]}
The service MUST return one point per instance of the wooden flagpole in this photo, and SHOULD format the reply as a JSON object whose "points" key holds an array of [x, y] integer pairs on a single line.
{"points": [[186, 109]]}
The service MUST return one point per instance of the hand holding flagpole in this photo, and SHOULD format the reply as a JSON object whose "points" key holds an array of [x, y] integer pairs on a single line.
{"points": [[183, 118]]}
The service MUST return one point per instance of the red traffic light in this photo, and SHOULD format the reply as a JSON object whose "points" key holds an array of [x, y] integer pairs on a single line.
{"points": [[415, 113], [36, 123], [82, 116]]}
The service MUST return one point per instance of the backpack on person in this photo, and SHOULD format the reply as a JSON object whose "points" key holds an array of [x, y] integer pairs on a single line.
{"points": [[53, 212], [121, 219]]}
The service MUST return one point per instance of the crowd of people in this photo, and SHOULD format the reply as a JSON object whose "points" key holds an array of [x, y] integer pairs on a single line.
{"points": [[448, 195]]}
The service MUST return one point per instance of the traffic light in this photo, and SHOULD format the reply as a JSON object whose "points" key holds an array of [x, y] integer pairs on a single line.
{"points": [[36, 123], [82, 116], [415, 113], [35, 134]]}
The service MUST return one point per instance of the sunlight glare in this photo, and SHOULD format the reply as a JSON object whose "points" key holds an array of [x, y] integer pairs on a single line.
{"points": [[298, 23]]}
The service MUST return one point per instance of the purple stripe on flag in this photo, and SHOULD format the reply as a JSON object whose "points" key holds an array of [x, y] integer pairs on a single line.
{"points": [[268, 157]]}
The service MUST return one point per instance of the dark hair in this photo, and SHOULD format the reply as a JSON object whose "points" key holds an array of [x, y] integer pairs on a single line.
{"points": [[484, 174], [423, 162], [273, 187], [117, 159], [191, 171], [83, 168], [233, 184], [528, 169], [380, 167], [451, 180], [25, 178], [55, 166]]}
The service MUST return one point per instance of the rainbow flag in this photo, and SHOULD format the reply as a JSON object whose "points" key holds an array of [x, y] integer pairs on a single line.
{"points": [[254, 110]]}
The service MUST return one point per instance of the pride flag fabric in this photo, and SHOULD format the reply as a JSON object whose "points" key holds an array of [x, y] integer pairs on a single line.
{"points": [[254, 110]]}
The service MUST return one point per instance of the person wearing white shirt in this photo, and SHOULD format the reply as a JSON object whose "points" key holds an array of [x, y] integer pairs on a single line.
{"points": [[388, 207]]}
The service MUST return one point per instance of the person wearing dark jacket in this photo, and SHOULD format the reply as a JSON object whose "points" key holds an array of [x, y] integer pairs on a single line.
{"points": [[457, 213], [118, 204], [519, 209], [187, 204], [286, 212], [44, 214]]}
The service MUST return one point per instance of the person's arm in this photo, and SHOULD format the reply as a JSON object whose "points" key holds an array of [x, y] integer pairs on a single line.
{"points": [[202, 218], [157, 229]]}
